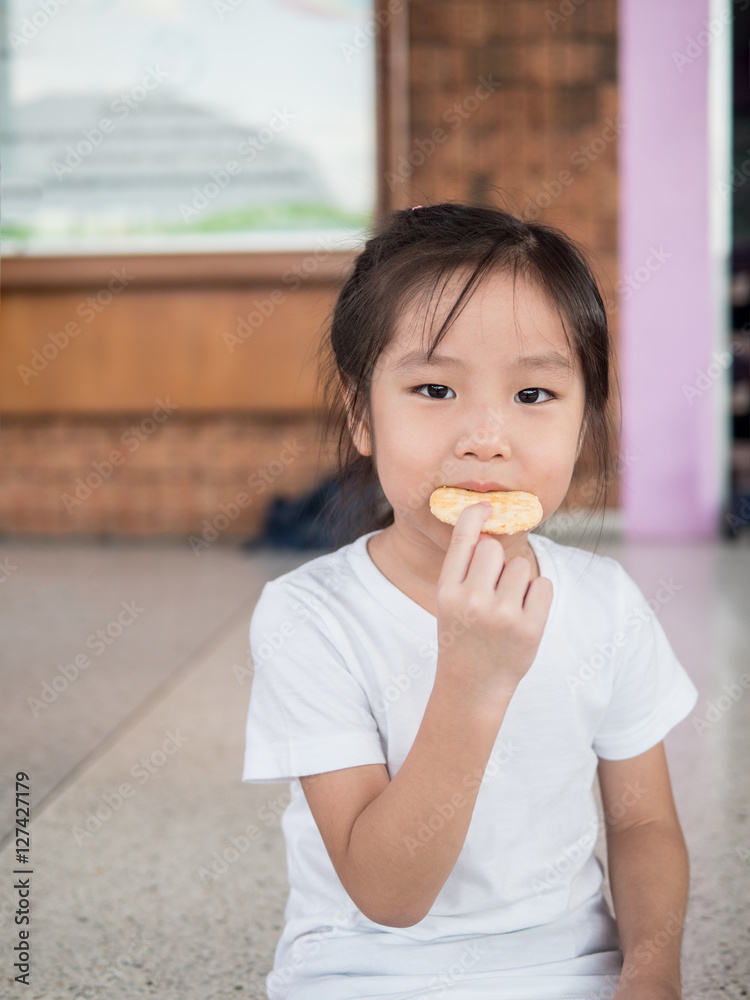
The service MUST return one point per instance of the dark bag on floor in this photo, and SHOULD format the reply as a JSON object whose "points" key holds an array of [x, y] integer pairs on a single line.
{"points": [[312, 521]]}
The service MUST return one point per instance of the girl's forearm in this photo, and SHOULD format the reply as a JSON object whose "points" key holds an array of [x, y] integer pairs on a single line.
{"points": [[405, 843], [649, 877]]}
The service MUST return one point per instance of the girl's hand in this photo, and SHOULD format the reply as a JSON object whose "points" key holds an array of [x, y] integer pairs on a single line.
{"points": [[490, 617]]}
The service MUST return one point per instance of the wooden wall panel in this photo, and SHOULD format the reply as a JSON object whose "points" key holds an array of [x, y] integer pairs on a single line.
{"points": [[209, 349]]}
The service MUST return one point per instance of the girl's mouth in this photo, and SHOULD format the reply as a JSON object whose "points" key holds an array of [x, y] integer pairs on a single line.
{"points": [[481, 486]]}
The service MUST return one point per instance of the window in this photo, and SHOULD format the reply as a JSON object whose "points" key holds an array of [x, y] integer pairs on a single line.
{"points": [[186, 126]]}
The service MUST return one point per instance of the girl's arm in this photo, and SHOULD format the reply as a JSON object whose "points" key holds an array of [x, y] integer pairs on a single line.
{"points": [[648, 872], [394, 842]]}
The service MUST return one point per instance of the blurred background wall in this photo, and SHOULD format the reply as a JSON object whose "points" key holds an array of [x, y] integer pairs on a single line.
{"points": [[142, 395]]}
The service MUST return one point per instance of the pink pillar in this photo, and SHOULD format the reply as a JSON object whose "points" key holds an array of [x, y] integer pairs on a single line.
{"points": [[670, 488]]}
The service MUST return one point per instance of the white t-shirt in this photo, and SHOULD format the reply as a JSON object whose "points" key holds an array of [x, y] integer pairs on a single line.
{"points": [[344, 666]]}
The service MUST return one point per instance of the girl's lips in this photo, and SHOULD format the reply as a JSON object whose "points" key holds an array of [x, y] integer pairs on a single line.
{"points": [[479, 486]]}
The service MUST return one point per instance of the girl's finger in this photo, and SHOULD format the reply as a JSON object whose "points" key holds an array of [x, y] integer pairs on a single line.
{"points": [[487, 561], [463, 540], [539, 600], [514, 582]]}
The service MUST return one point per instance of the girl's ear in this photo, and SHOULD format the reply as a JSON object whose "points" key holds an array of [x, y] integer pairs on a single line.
{"points": [[359, 432]]}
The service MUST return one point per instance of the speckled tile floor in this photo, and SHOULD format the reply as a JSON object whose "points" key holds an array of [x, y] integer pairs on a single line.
{"points": [[135, 761]]}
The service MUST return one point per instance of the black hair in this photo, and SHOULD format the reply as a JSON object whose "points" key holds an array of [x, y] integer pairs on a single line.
{"points": [[409, 253]]}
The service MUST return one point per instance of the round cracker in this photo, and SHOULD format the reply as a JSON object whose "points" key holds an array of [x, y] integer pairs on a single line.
{"points": [[512, 511]]}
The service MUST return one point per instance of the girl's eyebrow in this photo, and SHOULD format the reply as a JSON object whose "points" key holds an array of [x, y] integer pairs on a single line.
{"points": [[552, 362]]}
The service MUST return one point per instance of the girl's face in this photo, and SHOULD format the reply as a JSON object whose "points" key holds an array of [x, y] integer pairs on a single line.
{"points": [[505, 413]]}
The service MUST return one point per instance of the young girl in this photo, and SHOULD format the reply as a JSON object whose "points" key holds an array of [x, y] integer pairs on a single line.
{"points": [[440, 698]]}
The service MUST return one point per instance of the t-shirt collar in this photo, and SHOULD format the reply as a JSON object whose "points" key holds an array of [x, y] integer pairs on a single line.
{"points": [[402, 607]]}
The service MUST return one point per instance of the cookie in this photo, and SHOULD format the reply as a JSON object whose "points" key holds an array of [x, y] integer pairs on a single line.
{"points": [[512, 511]]}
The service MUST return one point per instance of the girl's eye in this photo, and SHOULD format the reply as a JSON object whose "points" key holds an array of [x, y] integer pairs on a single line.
{"points": [[419, 387], [532, 395]]}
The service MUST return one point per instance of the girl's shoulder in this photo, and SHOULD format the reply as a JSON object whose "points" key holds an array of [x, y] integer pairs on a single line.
{"points": [[318, 582], [586, 573], [324, 605]]}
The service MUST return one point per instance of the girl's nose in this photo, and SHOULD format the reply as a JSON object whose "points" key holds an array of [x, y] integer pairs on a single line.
{"points": [[488, 438]]}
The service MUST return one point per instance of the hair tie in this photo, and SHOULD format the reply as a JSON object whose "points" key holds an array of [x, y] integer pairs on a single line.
{"points": [[416, 207]]}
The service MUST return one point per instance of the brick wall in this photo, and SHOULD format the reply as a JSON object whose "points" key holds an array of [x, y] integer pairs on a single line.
{"points": [[142, 475], [522, 94], [511, 101]]}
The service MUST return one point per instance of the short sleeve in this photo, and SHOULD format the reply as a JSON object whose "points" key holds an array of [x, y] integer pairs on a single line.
{"points": [[308, 713], [652, 691]]}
